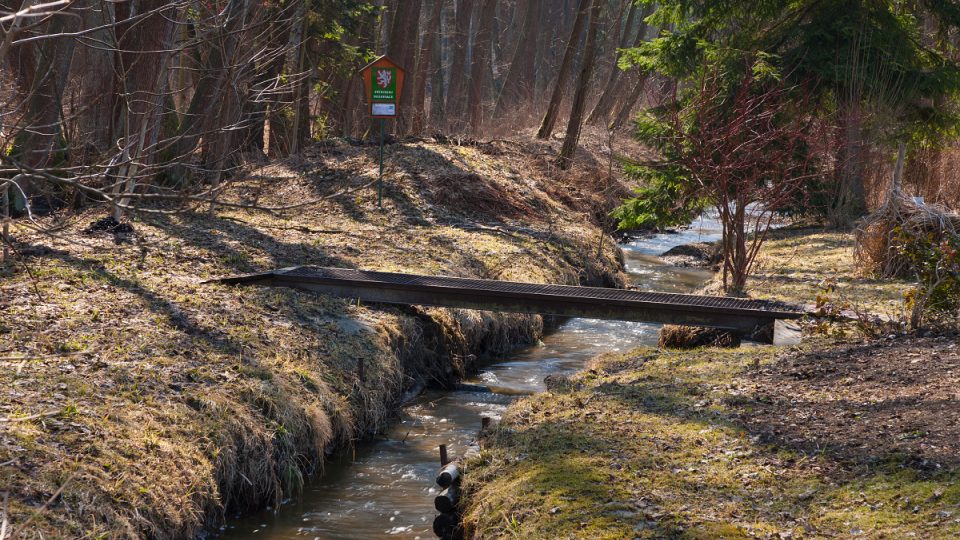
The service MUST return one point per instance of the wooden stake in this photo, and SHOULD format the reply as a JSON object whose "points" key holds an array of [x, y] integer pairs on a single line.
{"points": [[443, 455], [5, 239]]}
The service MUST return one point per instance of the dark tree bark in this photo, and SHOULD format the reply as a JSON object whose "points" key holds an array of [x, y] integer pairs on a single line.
{"points": [[460, 40], [402, 49], [480, 65], [637, 84], [575, 122], [519, 85], [262, 96], [41, 69], [438, 94], [142, 63], [211, 88], [95, 67], [423, 65], [553, 109], [608, 98]]}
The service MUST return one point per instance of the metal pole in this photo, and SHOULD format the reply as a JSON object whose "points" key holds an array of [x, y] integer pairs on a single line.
{"points": [[380, 181]]}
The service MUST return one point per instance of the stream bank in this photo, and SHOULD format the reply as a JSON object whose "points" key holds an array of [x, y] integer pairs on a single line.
{"points": [[844, 436], [138, 402], [387, 487]]}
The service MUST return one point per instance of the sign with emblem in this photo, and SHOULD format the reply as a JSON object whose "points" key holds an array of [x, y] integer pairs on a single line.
{"points": [[383, 83]]}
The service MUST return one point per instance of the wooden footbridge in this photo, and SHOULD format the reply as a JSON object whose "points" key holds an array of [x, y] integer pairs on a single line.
{"points": [[735, 314]]}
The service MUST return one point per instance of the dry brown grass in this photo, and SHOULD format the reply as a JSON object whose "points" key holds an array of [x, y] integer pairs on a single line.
{"points": [[166, 403]]}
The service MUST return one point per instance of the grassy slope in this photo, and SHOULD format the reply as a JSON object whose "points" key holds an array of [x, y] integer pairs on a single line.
{"points": [[797, 265], [655, 444], [140, 402]]}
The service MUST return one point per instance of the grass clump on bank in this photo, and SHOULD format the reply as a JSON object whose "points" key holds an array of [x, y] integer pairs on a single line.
{"points": [[827, 439], [660, 444], [137, 402], [809, 266]]}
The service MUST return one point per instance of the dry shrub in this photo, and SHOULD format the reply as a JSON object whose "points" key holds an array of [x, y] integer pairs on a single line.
{"points": [[934, 174], [908, 239], [690, 337], [878, 250]]}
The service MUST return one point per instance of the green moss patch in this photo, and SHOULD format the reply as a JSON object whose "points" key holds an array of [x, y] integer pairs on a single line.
{"points": [[653, 446]]}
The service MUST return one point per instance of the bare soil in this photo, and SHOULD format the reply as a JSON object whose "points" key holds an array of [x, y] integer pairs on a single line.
{"points": [[864, 404]]}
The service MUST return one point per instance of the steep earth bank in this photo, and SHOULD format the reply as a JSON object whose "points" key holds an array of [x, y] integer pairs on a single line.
{"points": [[843, 436], [136, 401]]}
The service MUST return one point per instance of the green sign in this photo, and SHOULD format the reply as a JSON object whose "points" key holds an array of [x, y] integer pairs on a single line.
{"points": [[384, 84]]}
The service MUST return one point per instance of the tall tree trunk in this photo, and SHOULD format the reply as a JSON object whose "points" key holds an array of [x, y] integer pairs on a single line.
{"points": [[480, 65], [575, 122], [96, 68], [144, 44], [437, 81], [423, 66], [402, 49], [457, 88], [519, 85], [41, 68], [212, 85], [262, 96], [639, 82], [611, 90], [550, 118], [850, 202]]}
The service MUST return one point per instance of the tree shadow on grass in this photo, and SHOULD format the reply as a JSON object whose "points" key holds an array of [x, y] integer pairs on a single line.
{"points": [[210, 233], [882, 426]]}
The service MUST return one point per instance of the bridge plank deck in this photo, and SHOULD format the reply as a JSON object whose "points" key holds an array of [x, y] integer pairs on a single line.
{"points": [[565, 300]]}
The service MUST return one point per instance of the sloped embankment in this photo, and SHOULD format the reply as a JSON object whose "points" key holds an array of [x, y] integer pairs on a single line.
{"points": [[137, 402], [842, 437]]}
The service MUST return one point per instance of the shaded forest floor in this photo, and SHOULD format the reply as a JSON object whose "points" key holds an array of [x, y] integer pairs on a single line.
{"points": [[136, 401], [840, 437]]}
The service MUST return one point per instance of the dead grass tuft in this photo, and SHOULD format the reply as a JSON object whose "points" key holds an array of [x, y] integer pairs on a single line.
{"points": [[173, 404]]}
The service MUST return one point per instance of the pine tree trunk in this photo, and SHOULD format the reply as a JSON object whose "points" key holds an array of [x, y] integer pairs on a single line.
{"points": [[553, 109], [575, 123], [608, 98], [519, 85], [402, 49], [480, 65], [457, 88], [423, 66]]}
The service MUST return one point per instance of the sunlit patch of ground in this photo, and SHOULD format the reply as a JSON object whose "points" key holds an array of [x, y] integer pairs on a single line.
{"points": [[663, 445], [800, 265], [136, 401]]}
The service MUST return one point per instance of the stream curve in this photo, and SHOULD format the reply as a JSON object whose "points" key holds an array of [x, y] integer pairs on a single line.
{"points": [[385, 489]]}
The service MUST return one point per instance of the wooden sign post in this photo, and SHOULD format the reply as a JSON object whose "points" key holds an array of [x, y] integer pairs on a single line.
{"points": [[383, 83]]}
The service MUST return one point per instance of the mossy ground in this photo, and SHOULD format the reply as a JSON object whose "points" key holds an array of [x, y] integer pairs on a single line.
{"points": [[832, 439], [802, 265], [136, 401], [653, 445]]}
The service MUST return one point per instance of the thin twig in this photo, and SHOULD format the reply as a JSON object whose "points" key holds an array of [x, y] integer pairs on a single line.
{"points": [[28, 418], [39, 356], [6, 521]]}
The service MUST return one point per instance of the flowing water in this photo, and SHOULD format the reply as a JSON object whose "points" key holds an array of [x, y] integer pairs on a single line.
{"points": [[386, 488]]}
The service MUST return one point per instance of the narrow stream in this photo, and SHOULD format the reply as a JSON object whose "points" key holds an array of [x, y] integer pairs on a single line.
{"points": [[386, 488]]}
